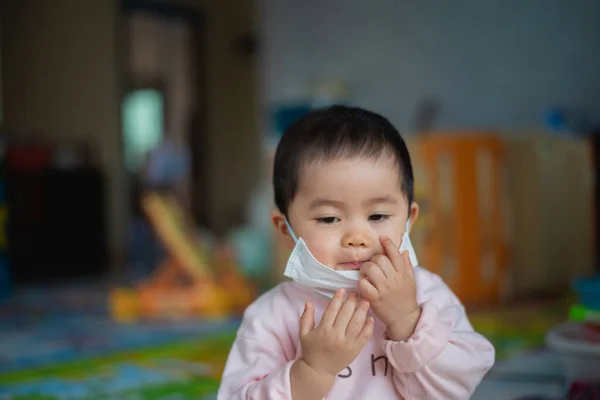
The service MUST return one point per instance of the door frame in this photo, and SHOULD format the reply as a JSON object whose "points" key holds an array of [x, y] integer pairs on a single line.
{"points": [[196, 142]]}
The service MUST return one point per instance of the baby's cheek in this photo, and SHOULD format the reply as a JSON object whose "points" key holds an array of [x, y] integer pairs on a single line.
{"points": [[393, 233], [324, 252]]}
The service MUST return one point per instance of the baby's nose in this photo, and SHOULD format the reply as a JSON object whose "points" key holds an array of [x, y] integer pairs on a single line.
{"points": [[356, 239]]}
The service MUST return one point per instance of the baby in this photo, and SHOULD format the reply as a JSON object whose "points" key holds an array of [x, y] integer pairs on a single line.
{"points": [[360, 320]]}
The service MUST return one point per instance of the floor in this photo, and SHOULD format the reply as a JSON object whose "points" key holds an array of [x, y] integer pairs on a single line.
{"points": [[60, 344], [535, 373]]}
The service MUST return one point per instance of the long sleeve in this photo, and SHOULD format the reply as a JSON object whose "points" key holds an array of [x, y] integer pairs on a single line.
{"points": [[255, 371], [444, 358], [259, 362]]}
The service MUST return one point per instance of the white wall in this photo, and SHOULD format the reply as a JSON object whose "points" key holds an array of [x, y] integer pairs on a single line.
{"points": [[498, 63]]}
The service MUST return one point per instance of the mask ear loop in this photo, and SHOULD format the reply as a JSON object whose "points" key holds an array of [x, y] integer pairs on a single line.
{"points": [[291, 231]]}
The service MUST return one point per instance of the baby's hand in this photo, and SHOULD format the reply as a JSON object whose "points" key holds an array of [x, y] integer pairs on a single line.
{"points": [[343, 332], [388, 283]]}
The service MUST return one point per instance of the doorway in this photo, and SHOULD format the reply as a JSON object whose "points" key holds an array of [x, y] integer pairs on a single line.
{"points": [[161, 114]]}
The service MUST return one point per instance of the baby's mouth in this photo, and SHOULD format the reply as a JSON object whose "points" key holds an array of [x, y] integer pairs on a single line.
{"points": [[352, 265]]}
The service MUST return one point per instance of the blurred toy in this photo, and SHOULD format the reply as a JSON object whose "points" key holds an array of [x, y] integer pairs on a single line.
{"points": [[582, 390], [188, 283], [588, 290], [587, 311], [580, 351], [583, 314]]}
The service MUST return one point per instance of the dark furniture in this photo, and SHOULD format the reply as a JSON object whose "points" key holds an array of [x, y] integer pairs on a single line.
{"points": [[56, 228]]}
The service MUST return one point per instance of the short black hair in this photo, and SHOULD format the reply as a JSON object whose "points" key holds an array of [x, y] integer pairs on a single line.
{"points": [[336, 131]]}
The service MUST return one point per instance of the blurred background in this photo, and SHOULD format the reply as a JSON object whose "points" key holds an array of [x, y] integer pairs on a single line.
{"points": [[136, 147]]}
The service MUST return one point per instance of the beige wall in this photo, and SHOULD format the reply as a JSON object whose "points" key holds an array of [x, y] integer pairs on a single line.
{"points": [[232, 109], [61, 79]]}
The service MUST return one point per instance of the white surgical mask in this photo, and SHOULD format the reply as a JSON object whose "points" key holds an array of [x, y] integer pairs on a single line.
{"points": [[305, 269]]}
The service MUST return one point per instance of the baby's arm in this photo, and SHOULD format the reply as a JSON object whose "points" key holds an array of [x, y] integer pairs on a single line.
{"points": [[260, 360], [444, 358], [256, 371]]}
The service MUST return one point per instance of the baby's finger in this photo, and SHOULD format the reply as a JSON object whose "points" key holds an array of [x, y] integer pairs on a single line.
{"points": [[357, 322], [307, 319], [393, 253], [346, 312], [373, 273], [385, 264], [408, 267], [366, 332], [367, 290], [333, 308]]}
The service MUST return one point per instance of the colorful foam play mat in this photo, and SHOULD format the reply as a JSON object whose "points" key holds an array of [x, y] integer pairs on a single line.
{"points": [[60, 344]]}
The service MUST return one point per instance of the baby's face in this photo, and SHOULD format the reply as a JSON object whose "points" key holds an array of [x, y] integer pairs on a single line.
{"points": [[343, 207]]}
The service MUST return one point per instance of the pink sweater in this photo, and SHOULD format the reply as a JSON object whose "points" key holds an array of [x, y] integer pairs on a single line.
{"points": [[445, 359]]}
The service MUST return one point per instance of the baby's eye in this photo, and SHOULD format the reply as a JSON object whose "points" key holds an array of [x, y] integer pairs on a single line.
{"points": [[378, 217], [328, 220]]}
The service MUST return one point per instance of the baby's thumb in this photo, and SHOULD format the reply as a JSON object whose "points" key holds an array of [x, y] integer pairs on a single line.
{"points": [[307, 319]]}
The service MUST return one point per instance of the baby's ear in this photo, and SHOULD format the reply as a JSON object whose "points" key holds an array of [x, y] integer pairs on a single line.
{"points": [[278, 220], [414, 213], [281, 228]]}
